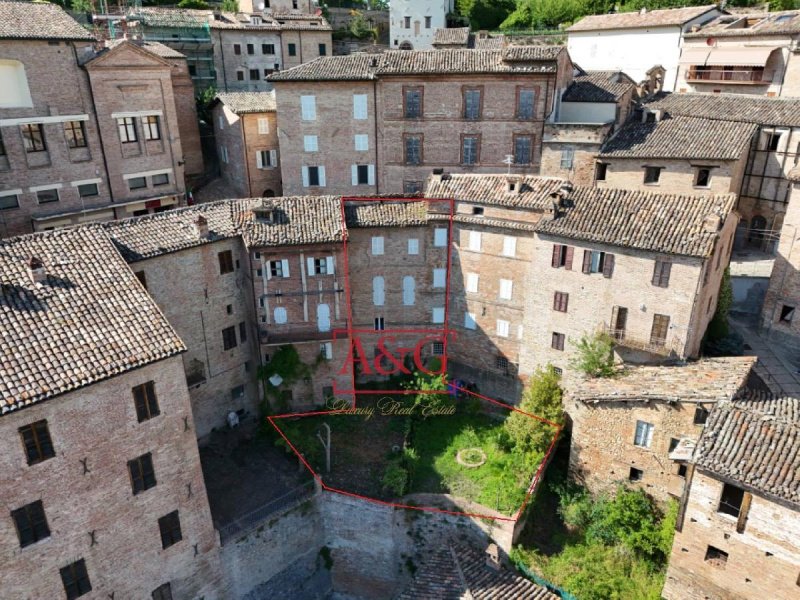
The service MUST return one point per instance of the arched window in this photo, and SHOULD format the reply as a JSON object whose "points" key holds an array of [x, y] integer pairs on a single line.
{"points": [[14, 91], [409, 287], [378, 293], [280, 315]]}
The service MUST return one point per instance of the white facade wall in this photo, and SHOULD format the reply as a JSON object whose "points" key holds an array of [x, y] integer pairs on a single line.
{"points": [[417, 34]]}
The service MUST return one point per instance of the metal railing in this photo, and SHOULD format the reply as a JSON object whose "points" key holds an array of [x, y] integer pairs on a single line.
{"points": [[251, 520], [664, 347], [759, 76]]}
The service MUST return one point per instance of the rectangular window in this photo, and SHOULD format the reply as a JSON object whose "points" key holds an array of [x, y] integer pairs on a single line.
{"points": [[137, 183], [413, 246], [170, 528], [239, 75], [237, 49], [562, 256], [412, 187], [314, 176], [321, 266], [595, 261], [472, 283], [567, 157], [75, 579], [361, 174], [237, 393], [703, 177], [635, 474], [377, 246], [716, 557], [440, 237], [379, 325], [242, 332], [31, 523], [470, 145], [475, 241], [472, 104], [407, 22], [661, 272], [36, 441], [501, 362], [509, 246], [33, 137], [310, 143], [787, 313], [438, 315], [323, 49], [658, 334], [359, 106], [361, 142], [229, 338], [652, 175], [427, 22], [506, 289], [255, 74], [730, 502], [644, 434], [308, 108], [225, 259], [88, 189], [162, 592], [160, 179], [503, 328], [437, 348], [251, 49], [469, 321], [143, 477], [439, 278], [600, 171], [127, 130], [523, 146], [266, 159], [9, 201], [145, 401], [152, 129], [526, 100], [292, 49], [75, 133], [700, 415], [2, 146], [772, 141], [413, 149], [267, 48], [557, 342], [45, 196], [412, 103], [560, 301]]}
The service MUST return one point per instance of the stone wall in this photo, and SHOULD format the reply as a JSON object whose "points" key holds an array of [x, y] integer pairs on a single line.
{"points": [[677, 176], [86, 492], [230, 66], [265, 181], [188, 126], [306, 43], [228, 137]]}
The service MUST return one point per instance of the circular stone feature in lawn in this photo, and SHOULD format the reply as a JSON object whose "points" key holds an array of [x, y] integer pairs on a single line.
{"points": [[472, 458]]}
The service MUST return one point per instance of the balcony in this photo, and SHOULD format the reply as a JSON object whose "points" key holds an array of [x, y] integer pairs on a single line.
{"points": [[672, 346], [730, 75]]}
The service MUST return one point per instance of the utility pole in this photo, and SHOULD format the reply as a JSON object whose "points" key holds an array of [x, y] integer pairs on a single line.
{"points": [[327, 446]]}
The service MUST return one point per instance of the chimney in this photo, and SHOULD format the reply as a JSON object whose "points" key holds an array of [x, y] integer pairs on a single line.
{"points": [[712, 223], [36, 269], [201, 224], [493, 557], [513, 184]]}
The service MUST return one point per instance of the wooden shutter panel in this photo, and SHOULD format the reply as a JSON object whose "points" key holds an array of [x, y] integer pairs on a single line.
{"points": [[371, 174], [329, 261], [587, 261], [273, 158], [656, 280], [568, 260], [305, 176], [666, 269], [321, 176], [743, 511], [354, 176], [614, 317], [285, 267], [310, 266], [564, 301], [555, 301], [608, 266], [259, 161], [556, 255]]}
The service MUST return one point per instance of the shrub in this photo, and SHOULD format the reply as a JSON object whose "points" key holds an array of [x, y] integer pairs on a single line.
{"points": [[542, 398], [395, 479], [230, 6], [595, 355], [198, 4]]}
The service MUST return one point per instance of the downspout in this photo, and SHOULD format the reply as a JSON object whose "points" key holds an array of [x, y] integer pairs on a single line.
{"points": [[300, 43], [222, 56], [97, 124]]}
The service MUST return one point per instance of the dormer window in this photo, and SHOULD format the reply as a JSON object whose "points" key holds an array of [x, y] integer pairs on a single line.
{"points": [[266, 214], [255, 20]]}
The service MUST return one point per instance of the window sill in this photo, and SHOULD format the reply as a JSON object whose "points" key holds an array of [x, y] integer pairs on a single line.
{"points": [[652, 184]]}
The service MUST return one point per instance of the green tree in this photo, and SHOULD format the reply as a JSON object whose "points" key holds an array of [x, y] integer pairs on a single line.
{"points": [[82, 6], [595, 356], [542, 398], [231, 6], [198, 4], [203, 101], [485, 14], [544, 14], [718, 326]]}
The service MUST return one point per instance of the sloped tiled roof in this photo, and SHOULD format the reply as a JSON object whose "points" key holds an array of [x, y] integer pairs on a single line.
{"points": [[681, 137], [755, 442], [488, 43], [386, 214], [248, 102], [227, 20], [707, 380], [513, 59], [535, 193], [786, 22], [731, 107], [156, 16], [38, 21], [665, 223], [302, 220], [89, 320], [651, 18], [156, 48], [454, 36], [598, 86], [459, 572]]}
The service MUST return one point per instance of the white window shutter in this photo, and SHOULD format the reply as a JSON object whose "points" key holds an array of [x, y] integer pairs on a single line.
{"points": [[263, 126], [285, 267], [310, 266], [310, 143], [371, 174], [438, 315], [378, 295], [321, 176], [359, 106], [361, 142], [509, 246], [472, 282], [413, 246], [506, 287], [440, 237], [377, 245], [439, 278], [502, 328], [268, 271], [475, 241], [259, 160], [273, 158], [354, 174], [329, 261], [409, 286], [305, 176], [308, 107]]}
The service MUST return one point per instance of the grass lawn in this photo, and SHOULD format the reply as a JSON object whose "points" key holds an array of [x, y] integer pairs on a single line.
{"points": [[500, 483]]}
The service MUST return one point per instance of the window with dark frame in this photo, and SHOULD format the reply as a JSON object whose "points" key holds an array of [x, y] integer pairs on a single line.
{"points": [[703, 177], [523, 149], [700, 415], [730, 501], [773, 141], [267, 48], [242, 332], [229, 338], [673, 443], [75, 133], [413, 149], [323, 49], [412, 103], [658, 334], [45, 196], [412, 187], [600, 171], [127, 130], [162, 592], [292, 49], [145, 401], [362, 174], [469, 149], [652, 174], [562, 256], [595, 261], [320, 266], [437, 348], [501, 362], [152, 129], [716, 557], [239, 77], [472, 104], [557, 343], [137, 183], [255, 74], [33, 137], [635, 474], [237, 49], [407, 22], [36, 441], [160, 179], [643, 437], [427, 22], [251, 49], [526, 98], [170, 528], [379, 325], [682, 470], [313, 176], [31, 523], [75, 579], [9, 201], [787, 313], [661, 272], [560, 301], [225, 262], [143, 477], [88, 189], [567, 157]]}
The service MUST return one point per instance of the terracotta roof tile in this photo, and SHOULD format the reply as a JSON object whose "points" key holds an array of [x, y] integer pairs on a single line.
{"points": [[651, 18], [754, 441], [455, 36], [731, 107], [38, 21], [598, 86], [89, 320], [535, 192], [156, 48], [301, 220], [248, 102], [386, 214], [681, 137], [155, 16]]}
